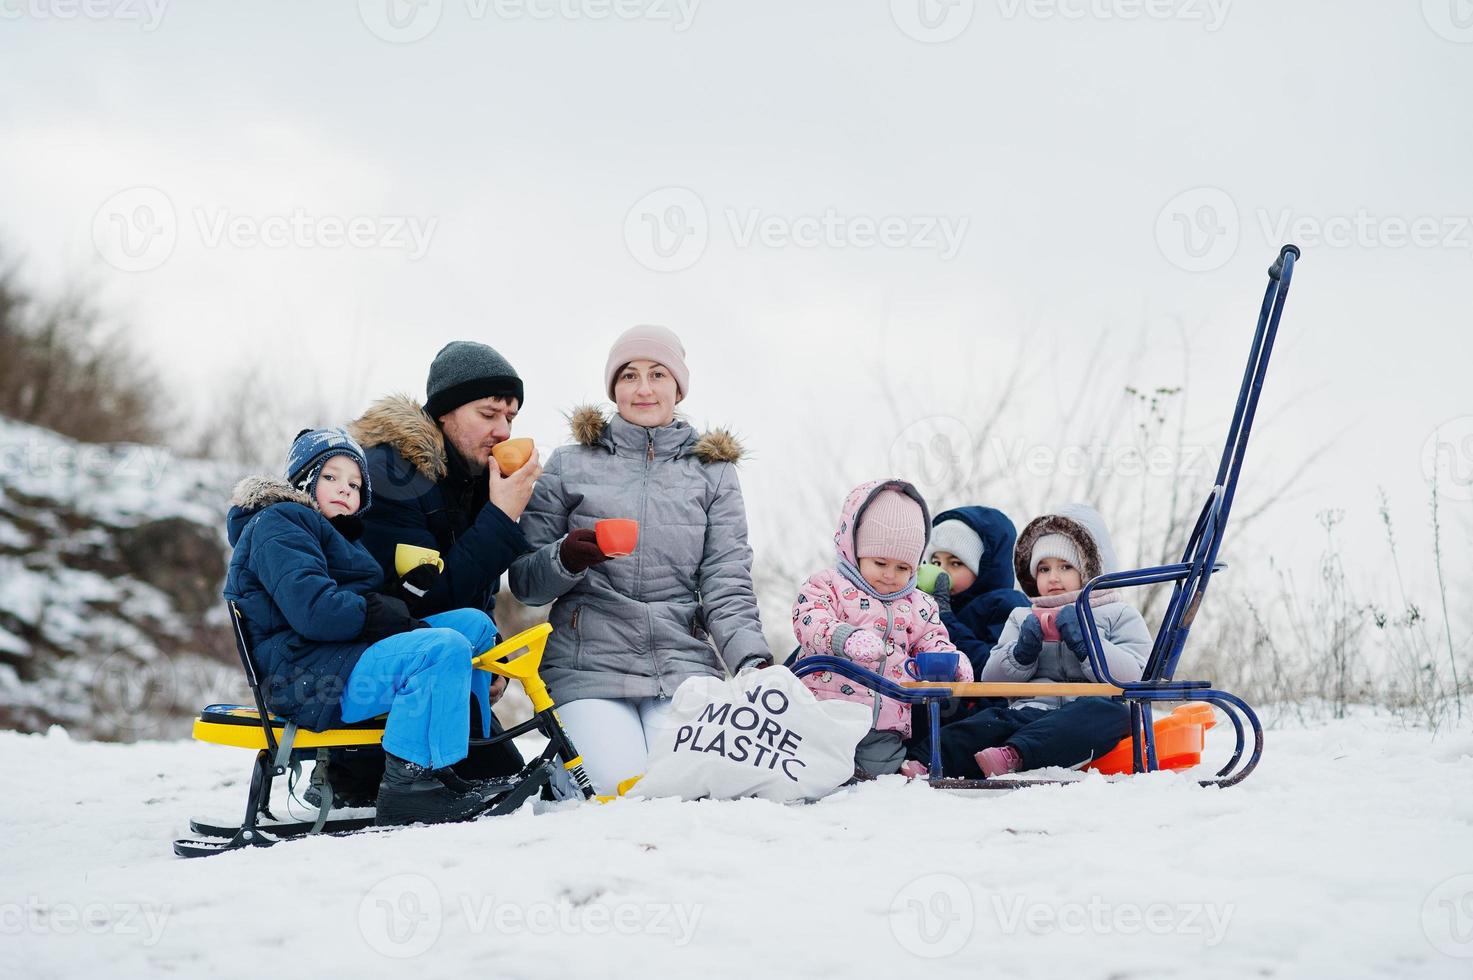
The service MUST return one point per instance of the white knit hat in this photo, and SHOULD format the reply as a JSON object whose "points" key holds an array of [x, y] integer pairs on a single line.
{"points": [[958, 538], [1059, 546]]}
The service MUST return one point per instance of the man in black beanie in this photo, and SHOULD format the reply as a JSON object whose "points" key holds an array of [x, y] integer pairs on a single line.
{"points": [[433, 478], [436, 486]]}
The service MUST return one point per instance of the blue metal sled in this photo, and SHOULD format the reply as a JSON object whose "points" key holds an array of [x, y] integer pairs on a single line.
{"points": [[1190, 577]]}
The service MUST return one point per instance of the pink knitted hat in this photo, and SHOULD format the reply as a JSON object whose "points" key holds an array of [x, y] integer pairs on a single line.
{"points": [[648, 343], [892, 527]]}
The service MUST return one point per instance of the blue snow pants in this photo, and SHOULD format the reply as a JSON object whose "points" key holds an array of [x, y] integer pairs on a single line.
{"points": [[423, 679]]}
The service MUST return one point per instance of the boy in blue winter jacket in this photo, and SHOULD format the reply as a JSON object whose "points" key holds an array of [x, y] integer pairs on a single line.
{"points": [[333, 648], [974, 547]]}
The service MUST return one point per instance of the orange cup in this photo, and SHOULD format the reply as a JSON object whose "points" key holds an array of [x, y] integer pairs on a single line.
{"points": [[617, 536], [512, 455]]}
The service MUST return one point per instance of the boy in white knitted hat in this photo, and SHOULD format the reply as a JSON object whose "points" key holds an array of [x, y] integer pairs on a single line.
{"points": [[1045, 642], [867, 609]]}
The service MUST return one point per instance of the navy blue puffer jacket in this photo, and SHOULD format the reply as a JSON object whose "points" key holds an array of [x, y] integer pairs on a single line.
{"points": [[979, 614], [299, 585]]}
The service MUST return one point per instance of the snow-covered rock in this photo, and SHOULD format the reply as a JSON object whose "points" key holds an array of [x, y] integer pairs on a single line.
{"points": [[111, 559]]}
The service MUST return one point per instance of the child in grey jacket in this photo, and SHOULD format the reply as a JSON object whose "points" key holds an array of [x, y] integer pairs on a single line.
{"points": [[1055, 556]]}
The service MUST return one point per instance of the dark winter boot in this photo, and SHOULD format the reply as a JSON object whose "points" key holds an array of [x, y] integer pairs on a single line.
{"points": [[355, 775], [486, 789], [355, 796], [415, 794]]}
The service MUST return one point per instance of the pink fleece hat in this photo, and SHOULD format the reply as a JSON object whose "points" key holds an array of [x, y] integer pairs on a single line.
{"points": [[648, 343], [892, 527]]}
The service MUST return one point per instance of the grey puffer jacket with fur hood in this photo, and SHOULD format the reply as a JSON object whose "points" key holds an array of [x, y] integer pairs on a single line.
{"points": [[638, 626]]}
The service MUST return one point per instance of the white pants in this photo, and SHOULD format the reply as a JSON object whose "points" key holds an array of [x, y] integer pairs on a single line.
{"points": [[614, 735]]}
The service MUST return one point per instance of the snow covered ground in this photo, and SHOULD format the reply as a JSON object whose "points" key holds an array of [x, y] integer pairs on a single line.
{"points": [[1349, 853]]}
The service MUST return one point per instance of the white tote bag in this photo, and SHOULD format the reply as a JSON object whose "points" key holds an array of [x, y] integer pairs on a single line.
{"points": [[761, 734]]}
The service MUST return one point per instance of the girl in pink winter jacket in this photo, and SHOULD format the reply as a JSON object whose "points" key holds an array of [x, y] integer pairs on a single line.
{"points": [[868, 610]]}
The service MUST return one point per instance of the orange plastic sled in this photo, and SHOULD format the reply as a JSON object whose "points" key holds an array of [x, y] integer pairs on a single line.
{"points": [[1179, 740]]}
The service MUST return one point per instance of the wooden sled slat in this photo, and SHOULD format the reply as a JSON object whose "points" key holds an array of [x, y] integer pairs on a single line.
{"points": [[999, 690]]}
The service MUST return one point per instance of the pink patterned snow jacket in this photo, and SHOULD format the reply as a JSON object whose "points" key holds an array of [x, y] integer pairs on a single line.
{"points": [[836, 602]]}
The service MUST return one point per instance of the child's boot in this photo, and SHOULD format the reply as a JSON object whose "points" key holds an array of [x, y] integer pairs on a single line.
{"points": [[912, 769], [999, 761]]}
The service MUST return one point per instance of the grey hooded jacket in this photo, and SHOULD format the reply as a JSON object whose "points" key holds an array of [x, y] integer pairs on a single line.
{"points": [[637, 626], [1124, 637]]}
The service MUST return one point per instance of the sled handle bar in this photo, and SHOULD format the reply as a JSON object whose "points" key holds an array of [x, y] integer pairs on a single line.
{"points": [[1276, 271]]}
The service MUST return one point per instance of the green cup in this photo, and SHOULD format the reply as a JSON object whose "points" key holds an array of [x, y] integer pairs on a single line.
{"points": [[926, 577]]}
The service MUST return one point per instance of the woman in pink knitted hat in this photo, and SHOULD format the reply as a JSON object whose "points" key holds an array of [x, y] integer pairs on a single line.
{"points": [[867, 609], [628, 630]]}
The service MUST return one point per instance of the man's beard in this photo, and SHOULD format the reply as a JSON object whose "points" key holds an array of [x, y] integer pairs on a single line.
{"points": [[475, 465]]}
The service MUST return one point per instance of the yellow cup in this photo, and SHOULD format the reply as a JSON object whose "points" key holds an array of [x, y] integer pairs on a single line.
{"points": [[411, 556]]}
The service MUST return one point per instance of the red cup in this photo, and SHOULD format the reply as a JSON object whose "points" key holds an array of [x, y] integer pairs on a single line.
{"points": [[1047, 619], [617, 536]]}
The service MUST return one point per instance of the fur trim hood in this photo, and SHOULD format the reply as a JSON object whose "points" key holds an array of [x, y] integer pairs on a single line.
{"points": [[589, 423], [255, 492], [1074, 530], [400, 422], [253, 495]]}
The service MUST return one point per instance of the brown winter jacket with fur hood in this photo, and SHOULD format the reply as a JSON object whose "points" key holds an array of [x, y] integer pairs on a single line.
{"points": [[638, 626]]}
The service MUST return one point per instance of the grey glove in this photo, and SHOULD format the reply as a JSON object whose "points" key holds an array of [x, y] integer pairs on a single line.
{"points": [[942, 593]]}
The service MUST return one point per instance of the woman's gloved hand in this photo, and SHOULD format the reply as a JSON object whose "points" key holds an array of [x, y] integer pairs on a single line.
{"points": [[580, 551]]}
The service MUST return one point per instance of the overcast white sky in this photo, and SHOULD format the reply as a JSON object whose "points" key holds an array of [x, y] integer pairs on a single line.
{"points": [[992, 184]]}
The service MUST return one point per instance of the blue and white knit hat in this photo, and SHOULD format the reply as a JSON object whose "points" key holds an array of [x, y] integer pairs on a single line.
{"points": [[313, 447]]}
